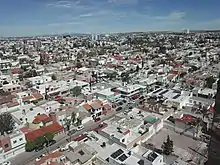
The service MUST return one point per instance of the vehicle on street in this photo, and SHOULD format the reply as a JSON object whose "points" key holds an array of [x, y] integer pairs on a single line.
{"points": [[71, 132], [51, 143], [39, 148], [6, 163], [97, 119], [80, 127], [119, 109]]}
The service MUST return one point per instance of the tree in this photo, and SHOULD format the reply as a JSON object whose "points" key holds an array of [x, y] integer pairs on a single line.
{"points": [[73, 117], [76, 91], [30, 146], [68, 123], [54, 77], [6, 123], [167, 146], [49, 136], [20, 77], [112, 75], [137, 68], [39, 141], [79, 122], [209, 81]]}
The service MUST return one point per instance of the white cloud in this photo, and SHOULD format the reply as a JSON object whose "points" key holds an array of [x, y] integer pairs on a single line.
{"points": [[173, 16], [64, 4], [120, 2]]}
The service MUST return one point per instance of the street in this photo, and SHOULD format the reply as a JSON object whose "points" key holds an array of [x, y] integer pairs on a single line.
{"points": [[27, 158]]}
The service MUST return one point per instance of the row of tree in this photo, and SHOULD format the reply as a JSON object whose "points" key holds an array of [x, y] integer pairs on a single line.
{"points": [[73, 121], [39, 141]]}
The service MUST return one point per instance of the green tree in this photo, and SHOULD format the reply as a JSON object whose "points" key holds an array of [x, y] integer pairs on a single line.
{"points": [[76, 91], [167, 146], [137, 68], [73, 117], [6, 123], [79, 122], [68, 123], [49, 136], [39, 141], [209, 81], [30, 146], [20, 77], [54, 77]]}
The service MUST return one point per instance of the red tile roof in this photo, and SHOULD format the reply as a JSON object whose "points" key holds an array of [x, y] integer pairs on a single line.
{"points": [[186, 118], [53, 128], [37, 95], [27, 98], [12, 104], [87, 106], [99, 101], [25, 130], [16, 70], [107, 107], [42, 118], [211, 109], [6, 99], [31, 136]]}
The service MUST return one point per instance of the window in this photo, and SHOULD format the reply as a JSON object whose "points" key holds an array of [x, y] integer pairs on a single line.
{"points": [[123, 140], [6, 145], [13, 89], [15, 141], [21, 139]]}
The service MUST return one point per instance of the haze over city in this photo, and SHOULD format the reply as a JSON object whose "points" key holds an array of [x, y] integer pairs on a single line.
{"points": [[41, 17]]}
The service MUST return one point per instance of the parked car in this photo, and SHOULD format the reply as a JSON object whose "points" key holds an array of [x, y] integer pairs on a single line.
{"points": [[80, 127], [119, 109], [71, 132], [39, 148], [97, 119], [6, 163], [51, 143]]}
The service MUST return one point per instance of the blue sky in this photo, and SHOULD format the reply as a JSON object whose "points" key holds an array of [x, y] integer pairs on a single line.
{"points": [[36, 17]]}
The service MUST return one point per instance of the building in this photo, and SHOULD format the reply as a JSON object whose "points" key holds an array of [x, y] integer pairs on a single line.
{"points": [[11, 145], [12, 88], [39, 80], [131, 91], [107, 94], [214, 144], [130, 129], [5, 66], [54, 158], [81, 154]]}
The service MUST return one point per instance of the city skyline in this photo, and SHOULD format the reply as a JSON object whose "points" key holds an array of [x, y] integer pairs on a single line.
{"points": [[38, 17]]}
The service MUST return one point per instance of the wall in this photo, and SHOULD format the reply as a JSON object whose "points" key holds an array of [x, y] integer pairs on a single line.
{"points": [[6, 143], [18, 140]]}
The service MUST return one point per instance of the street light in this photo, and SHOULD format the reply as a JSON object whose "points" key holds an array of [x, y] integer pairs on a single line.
{"points": [[48, 144]]}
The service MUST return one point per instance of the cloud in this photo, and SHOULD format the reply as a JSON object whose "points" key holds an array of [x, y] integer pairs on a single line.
{"points": [[121, 2], [173, 16], [64, 4]]}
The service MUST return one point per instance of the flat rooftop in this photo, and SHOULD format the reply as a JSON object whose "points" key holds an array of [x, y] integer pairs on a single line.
{"points": [[131, 88]]}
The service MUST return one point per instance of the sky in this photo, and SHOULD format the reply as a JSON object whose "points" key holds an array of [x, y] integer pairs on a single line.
{"points": [[41, 17]]}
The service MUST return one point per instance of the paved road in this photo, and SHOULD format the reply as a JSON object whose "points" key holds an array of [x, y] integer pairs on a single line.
{"points": [[27, 158]]}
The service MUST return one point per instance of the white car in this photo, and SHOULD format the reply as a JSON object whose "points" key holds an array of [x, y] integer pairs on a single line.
{"points": [[6, 163], [80, 127]]}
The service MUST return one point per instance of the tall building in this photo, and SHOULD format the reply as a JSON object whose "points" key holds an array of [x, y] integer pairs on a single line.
{"points": [[214, 144], [187, 31]]}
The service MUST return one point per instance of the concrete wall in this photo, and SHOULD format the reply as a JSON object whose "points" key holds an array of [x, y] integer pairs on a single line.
{"points": [[18, 140]]}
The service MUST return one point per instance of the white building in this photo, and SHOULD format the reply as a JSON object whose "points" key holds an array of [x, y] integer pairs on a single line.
{"points": [[39, 80]]}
